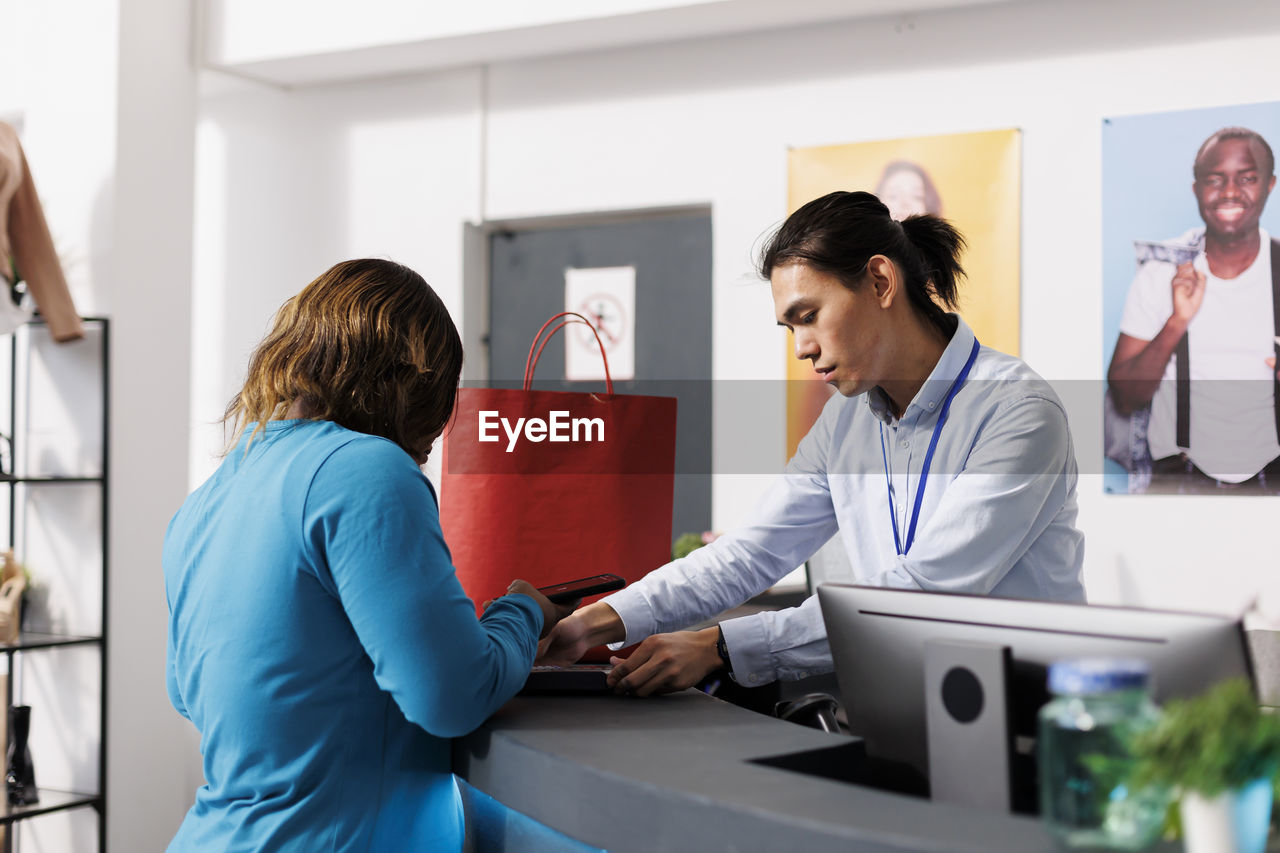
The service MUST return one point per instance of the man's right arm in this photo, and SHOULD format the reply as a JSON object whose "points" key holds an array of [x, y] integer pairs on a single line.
{"points": [[1138, 365], [792, 518], [594, 625]]}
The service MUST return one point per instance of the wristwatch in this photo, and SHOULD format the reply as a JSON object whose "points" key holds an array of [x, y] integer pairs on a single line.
{"points": [[722, 649]]}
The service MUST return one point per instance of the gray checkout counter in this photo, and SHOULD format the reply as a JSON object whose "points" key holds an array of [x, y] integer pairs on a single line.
{"points": [[676, 773]]}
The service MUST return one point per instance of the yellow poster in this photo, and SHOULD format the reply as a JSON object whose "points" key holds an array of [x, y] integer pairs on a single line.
{"points": [[971, 179]]}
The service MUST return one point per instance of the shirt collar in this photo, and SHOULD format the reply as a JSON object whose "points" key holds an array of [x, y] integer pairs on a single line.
{"points": [[1201, 261], [930, 396]]}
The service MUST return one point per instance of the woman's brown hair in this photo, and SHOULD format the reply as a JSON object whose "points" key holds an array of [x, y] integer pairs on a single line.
{"points": [[368, 345]]}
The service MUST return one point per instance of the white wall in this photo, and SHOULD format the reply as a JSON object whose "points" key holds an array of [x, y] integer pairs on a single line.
{"points": [[150, 748], [303, 42], [291, 183], [710, 121], [62, 91]]}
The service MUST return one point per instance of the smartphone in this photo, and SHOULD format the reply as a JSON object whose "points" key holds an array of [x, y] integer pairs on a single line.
{"points": [[564, 593]]}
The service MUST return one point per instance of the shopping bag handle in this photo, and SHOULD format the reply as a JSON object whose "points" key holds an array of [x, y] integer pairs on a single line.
{"points": [[531, 361]]}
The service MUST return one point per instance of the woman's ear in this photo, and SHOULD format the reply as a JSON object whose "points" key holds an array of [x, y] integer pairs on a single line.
{"points": [[885, 279]]}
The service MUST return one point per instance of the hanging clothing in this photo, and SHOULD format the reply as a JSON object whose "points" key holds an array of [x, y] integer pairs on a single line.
{"points": [[25, 243]]}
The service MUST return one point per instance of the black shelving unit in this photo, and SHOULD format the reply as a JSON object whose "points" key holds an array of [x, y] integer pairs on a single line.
{"points": [[31, 642]]}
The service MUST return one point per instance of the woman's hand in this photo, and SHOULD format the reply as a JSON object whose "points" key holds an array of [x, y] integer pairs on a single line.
{"points": [[591, 626], [551, 613]]}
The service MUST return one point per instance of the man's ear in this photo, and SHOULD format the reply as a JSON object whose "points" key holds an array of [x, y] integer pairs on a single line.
{"points": [[885, 278]]}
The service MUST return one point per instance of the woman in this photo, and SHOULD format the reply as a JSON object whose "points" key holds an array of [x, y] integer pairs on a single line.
{"points": [[866, 297], [906, 189], [318, 638]]}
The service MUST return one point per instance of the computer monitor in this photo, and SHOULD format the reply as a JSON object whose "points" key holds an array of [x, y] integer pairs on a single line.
{"points": [[881, 640]]}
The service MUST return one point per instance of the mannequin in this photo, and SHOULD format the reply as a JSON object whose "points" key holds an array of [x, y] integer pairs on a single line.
{"points": [[25, 244]]}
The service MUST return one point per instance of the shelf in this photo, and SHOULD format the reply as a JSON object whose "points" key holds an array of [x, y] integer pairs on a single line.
{"points": [[38, 320], [50, 479], [38, 640], [35, 483], [50, 801]]}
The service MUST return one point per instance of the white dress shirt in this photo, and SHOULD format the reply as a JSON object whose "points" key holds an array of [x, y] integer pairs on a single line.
{"points": [[998, 514]]}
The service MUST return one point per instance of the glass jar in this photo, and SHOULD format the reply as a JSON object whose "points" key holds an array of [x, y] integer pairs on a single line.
{"points": [[1085, 737]]}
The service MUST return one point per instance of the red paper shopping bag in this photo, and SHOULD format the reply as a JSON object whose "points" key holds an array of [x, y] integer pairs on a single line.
{"points": [[550, 486]]}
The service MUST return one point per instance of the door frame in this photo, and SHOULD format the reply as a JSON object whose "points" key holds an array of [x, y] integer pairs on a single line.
{"points": [[476, 287]]}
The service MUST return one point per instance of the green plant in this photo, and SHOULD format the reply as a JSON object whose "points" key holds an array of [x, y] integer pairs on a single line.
{"points": [[1217, 741], [686, 544]]}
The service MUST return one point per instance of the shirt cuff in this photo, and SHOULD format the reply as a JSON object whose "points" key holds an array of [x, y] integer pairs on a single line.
{"points": [[521, 602], [750, 661], [636, 614]]}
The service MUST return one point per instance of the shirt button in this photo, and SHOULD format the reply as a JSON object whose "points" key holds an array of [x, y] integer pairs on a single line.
{"points": [[753, 678], [933, 405], [906, 443]]}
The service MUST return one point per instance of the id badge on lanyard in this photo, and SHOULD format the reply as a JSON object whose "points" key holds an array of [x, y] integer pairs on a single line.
{"points": [[903, 548]]}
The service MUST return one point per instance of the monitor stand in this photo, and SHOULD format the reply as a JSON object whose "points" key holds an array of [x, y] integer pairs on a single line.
{"points": [[976, 700], [967, 718]]}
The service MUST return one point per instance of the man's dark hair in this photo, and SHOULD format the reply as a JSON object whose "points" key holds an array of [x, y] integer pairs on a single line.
{"points": [[840, 232], [1269, 159]]}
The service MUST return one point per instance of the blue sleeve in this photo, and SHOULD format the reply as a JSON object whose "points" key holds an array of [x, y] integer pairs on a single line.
{"points": [[171, 679], [372, 529]]}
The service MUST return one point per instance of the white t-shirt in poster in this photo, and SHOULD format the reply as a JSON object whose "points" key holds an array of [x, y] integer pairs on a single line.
{"points": [[1233, 416]]}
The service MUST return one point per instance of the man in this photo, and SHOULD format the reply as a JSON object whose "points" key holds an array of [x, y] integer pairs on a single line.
{"points": [[944, 465], [1214, 419]]}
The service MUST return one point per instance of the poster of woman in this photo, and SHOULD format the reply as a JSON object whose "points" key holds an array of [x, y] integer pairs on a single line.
{"points": [[971, 179]]}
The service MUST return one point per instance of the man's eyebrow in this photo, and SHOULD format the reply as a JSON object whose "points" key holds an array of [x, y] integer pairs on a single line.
{"points": [[1229, 171], [794, 309]]}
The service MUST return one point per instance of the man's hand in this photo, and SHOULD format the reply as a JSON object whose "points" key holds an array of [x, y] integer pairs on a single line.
{"points": [[664, 663], [1271, 362], [591, 626], [1188, 291]]}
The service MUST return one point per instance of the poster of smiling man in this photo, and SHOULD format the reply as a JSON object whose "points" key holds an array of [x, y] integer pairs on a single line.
{"points": [[1191, 290]]}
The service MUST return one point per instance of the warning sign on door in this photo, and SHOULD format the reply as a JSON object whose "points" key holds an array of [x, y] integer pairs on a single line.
{"points": [[607, 297]]}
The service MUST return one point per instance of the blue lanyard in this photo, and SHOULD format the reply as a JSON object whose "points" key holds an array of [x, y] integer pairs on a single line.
{"points": [[928, 458]]}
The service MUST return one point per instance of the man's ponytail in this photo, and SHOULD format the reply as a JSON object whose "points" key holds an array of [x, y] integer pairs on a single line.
{"points": [[939, 247]]}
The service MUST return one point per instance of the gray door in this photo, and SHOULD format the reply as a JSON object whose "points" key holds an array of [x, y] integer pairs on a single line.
{"points": [[672, 257]]}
